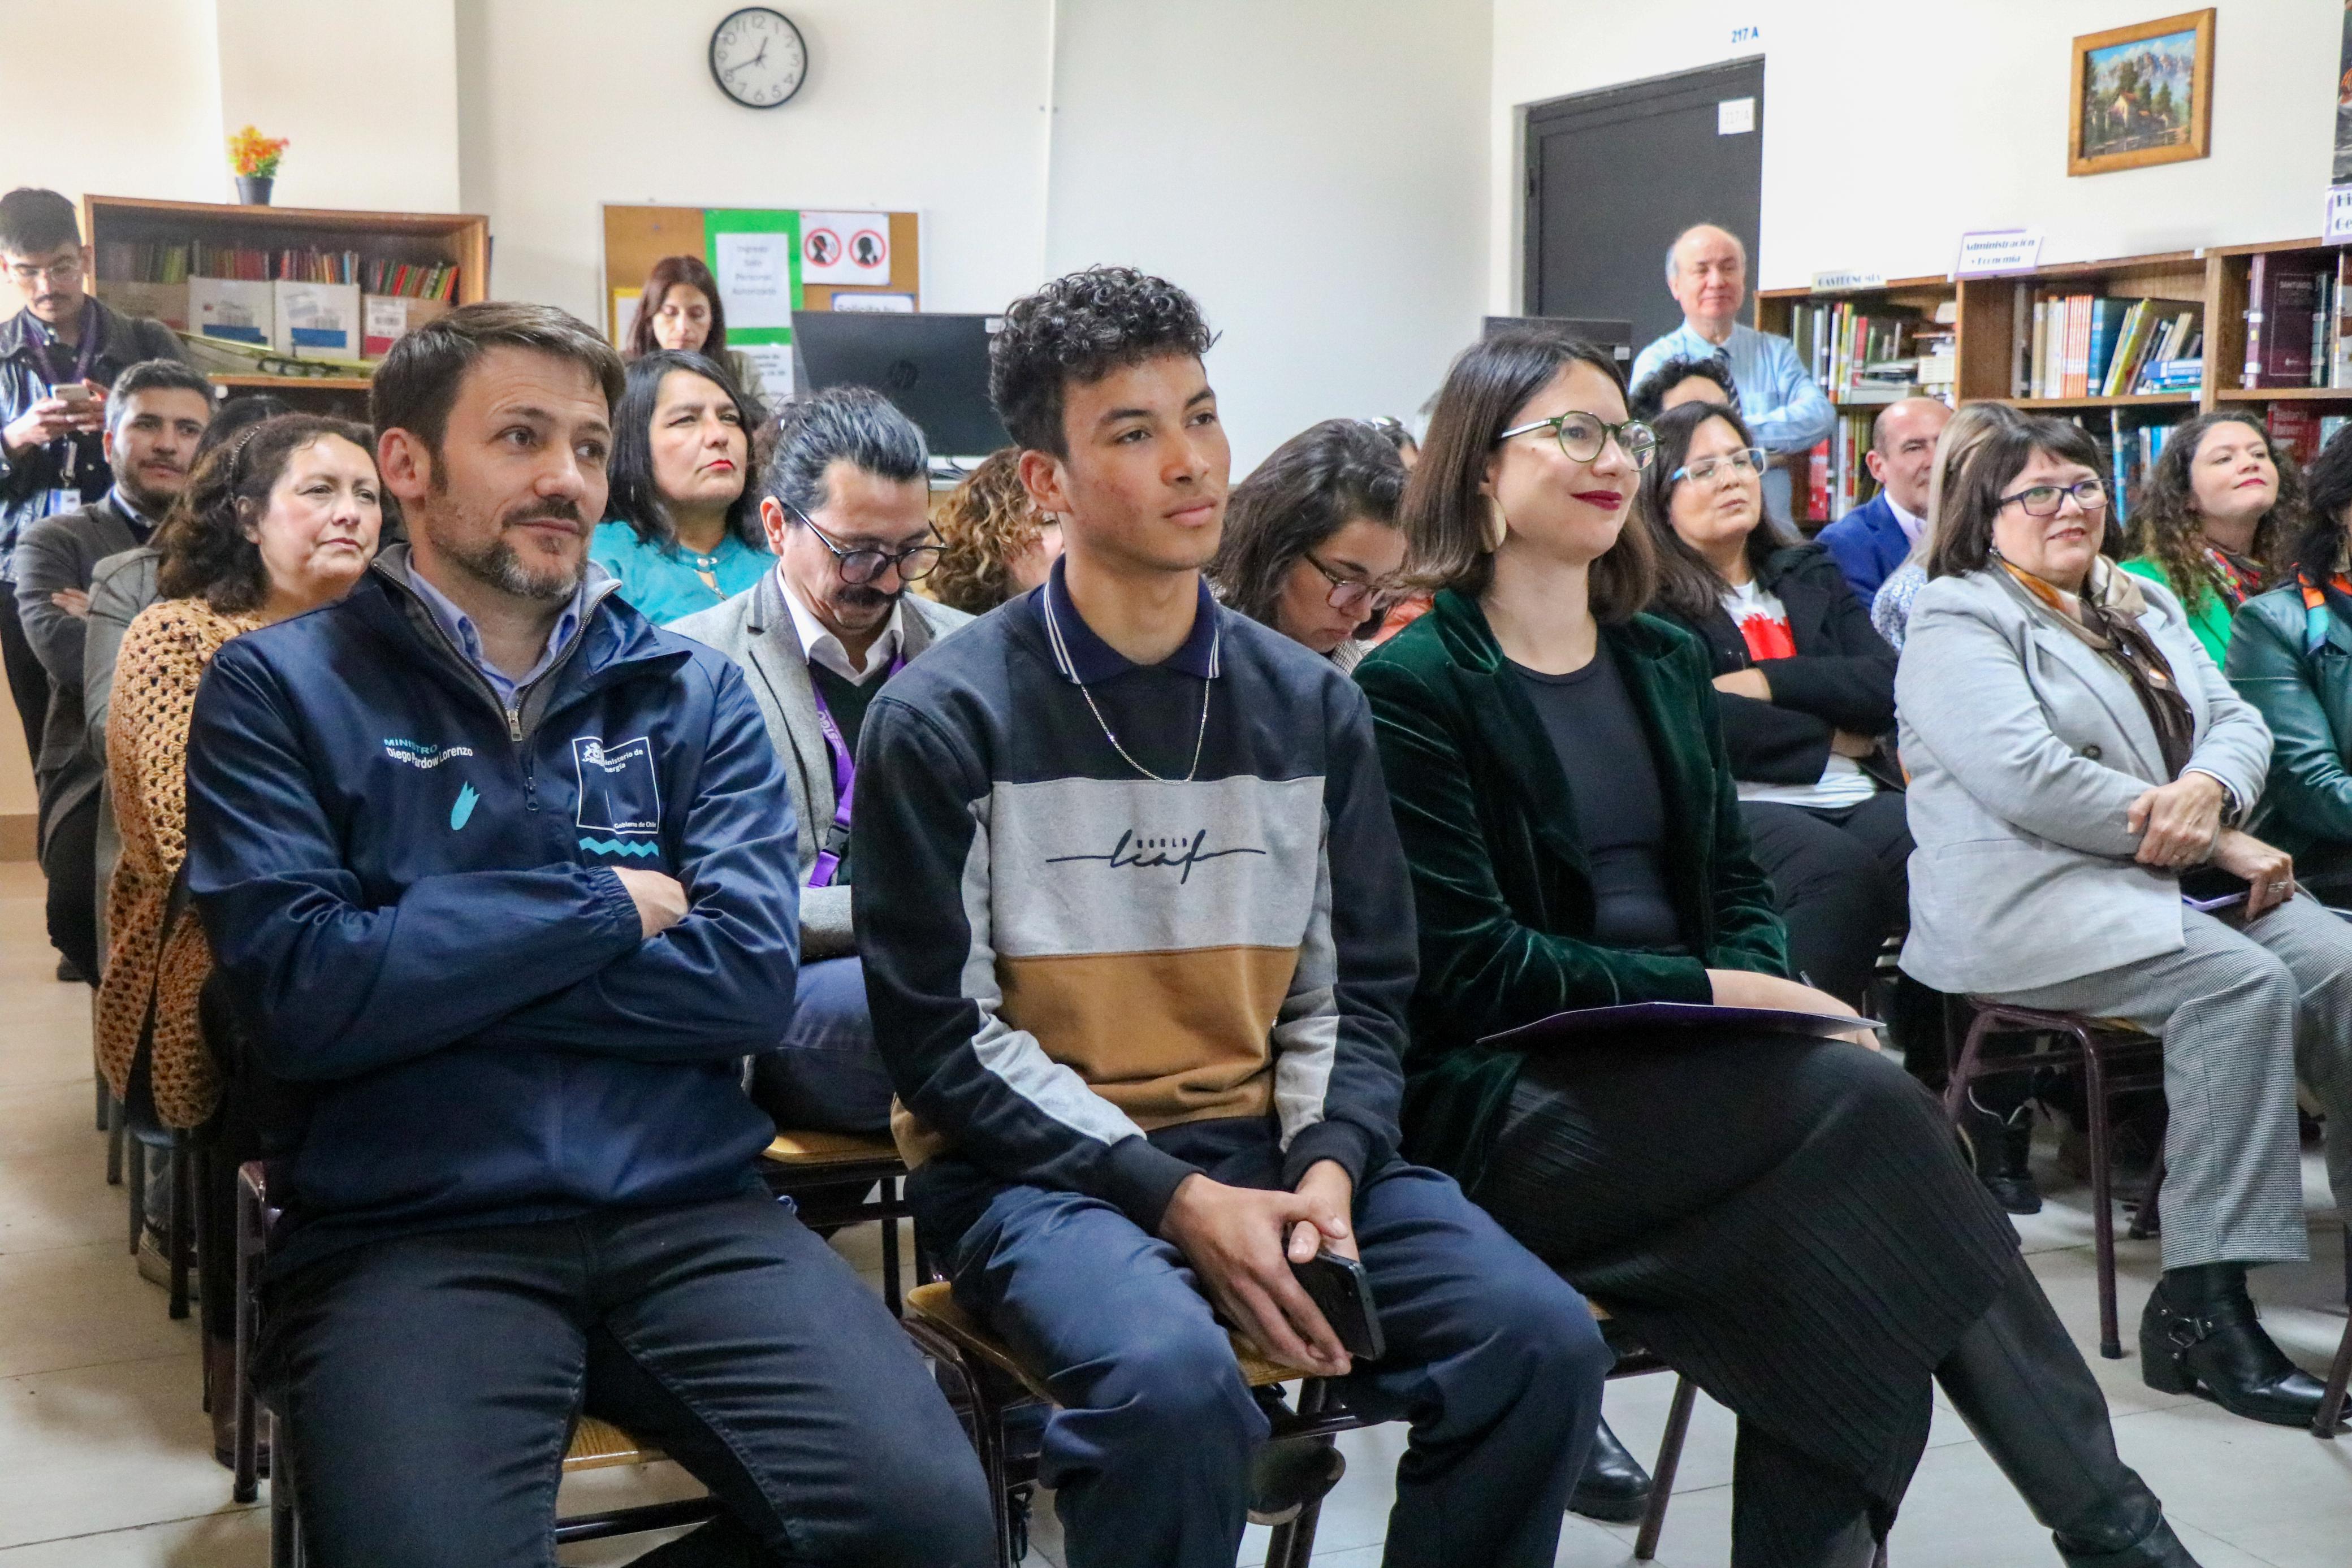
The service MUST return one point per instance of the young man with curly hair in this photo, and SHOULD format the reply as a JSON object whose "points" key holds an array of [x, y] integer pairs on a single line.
{"points": [[1136, 934]]}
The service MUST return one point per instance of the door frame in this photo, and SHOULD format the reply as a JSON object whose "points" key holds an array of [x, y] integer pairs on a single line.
{"points": [[1681, 86]]}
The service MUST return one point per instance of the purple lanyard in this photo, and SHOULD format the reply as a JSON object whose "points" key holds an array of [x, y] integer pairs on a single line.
{"points": [[86, 351], [845, 782]]}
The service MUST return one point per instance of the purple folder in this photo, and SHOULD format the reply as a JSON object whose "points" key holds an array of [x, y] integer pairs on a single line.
{"points": [[1561, 1028]]}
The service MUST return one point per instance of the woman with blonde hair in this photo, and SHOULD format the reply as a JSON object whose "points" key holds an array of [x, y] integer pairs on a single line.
{"points": [[1890, 608], [993, 543]]}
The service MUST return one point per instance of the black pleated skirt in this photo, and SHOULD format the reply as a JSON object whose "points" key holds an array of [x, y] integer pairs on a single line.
{"points": [[1787, 1221]]}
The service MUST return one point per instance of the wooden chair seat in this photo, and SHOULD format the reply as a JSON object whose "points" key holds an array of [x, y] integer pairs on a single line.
{"points": [[936, 1305], [812, 1148], [597, 1444]]}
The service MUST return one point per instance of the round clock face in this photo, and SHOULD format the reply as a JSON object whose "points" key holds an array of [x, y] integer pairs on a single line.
{"points": [[757, 58]]}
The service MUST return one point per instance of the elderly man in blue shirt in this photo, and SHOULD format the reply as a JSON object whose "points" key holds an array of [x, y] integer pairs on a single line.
{"points": [[1706, 270]]}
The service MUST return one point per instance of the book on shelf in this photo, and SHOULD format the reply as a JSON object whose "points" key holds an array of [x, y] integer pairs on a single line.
{"points": [[2294, 427], [2082, 345], [1837, 479], [2330, 426], [2283, 296], [1854, 354], [125, 261]]}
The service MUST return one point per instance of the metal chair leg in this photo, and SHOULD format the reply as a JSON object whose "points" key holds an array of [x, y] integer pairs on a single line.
{"points": [[891, 1295], [114, 1139], [2340, 1373], [247, 1440], [2103, 1214], [134, 1178], [1662, 1474], [98, 1082], [284, 1520], [180, 1224]]}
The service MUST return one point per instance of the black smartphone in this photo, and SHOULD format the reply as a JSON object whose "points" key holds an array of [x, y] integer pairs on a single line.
{"points": [[1342, 1292]]}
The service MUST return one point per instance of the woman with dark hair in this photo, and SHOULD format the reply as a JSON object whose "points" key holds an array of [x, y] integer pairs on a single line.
{"points": [[993, 543], [1681, 381], [1782, 1217], [684, 533], [2078, 768], [679, 310], [2287, 657], [1804, 686], [281, 519], [1312, 547], [2219, 506]]}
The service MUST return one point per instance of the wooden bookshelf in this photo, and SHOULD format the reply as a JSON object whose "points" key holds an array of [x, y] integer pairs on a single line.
{"points": [[422, 238]]}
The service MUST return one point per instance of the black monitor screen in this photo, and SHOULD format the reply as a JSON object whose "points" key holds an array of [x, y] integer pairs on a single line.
{"points": [[934, 366], [1617, 337]]}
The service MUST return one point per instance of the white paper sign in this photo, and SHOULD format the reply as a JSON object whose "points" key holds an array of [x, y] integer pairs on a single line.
{"points": [[755, 279], [876, 304], [1735, 116], [1847, 282], [2337, 226], [775, 363], [846, 248], [1990, 252]]}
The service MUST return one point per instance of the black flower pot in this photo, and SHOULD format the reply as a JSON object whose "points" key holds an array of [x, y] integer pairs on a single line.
{"points": [[252, 190]]}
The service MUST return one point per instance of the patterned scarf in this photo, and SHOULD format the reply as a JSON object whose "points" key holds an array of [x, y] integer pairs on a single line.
{"points": [[2239, 577], [2105, 617]]}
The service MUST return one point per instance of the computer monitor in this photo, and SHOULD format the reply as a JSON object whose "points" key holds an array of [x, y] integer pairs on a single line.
{"points": [[1617, 337], [933, 365]]}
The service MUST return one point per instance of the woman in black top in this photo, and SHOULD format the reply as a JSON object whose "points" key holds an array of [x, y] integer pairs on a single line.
{"points": [[1781, 1217]]}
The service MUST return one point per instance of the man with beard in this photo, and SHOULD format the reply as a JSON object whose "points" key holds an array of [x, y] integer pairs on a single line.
{"points": [[155, 415], [846, 511], [497, 874]]}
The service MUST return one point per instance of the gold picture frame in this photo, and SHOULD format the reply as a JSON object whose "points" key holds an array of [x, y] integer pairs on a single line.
{"points": [[2126, 107]]}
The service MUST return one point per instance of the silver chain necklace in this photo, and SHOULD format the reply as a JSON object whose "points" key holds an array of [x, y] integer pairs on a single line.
{"points": [[1053, 625]]}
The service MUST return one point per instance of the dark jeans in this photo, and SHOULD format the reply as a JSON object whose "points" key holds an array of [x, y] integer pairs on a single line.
{"points": [[827, 1074], [1493, 1358], [1839, 879], [28, 684], [430, 1385], [70, 860]]}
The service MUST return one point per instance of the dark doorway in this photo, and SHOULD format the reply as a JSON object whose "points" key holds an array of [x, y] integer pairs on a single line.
{"points": [[1612, 176]]}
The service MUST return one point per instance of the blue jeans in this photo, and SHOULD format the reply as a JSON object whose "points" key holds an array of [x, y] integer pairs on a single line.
{"points": [[826, 1074], [1493, 1358]]}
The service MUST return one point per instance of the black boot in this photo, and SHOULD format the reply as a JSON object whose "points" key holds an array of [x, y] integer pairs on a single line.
{"points": [[1615, 1487], [2001, 1148], [2017, 1380], [2199, 1335]]}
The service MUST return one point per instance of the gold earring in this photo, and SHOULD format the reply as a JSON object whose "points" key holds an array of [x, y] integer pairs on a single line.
{"points": [[1496, 527]]}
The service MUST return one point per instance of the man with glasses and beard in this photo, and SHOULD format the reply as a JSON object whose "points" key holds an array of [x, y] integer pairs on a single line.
{"points": [[155, 415], [846, 510], [497, 874]]}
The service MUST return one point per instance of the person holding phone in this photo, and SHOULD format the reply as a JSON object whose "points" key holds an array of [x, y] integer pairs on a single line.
{"points": [[1128, 895], [59, 354]]}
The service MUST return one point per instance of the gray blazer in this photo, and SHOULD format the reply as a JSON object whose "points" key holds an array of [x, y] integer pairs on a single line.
{"points": [[2025, 750], [61, 552], [755, 630]]}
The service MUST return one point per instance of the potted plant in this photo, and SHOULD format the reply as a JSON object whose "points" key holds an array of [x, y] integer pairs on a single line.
{"points": [[255, 158]]}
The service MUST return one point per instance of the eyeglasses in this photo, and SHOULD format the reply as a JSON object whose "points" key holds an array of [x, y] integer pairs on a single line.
{"points": [[1724, 466], [1357, 597], [863, 564], [1583, 435], [2044, 500], [58, 273]]}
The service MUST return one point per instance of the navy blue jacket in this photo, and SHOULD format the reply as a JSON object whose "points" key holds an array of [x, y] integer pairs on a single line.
{"points": [[1869, 544], [407, 888]]}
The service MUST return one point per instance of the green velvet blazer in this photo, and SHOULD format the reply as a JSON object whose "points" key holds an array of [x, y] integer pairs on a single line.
{"points": [[1502, 885]]}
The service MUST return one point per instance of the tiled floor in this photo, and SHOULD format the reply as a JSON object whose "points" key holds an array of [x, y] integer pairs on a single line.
{"points": [[105, 1457]]}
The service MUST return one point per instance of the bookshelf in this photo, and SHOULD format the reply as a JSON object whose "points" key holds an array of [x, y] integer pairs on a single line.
{"points": [[420, 241], [1992, 326]]}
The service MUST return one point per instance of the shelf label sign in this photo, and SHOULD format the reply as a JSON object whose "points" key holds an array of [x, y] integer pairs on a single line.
{"points": [[2337, 228], [1847, 281], [1988, 253]]}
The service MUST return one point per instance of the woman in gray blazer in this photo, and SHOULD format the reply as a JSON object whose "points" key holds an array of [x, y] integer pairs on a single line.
{"points": [[2074, 752]]}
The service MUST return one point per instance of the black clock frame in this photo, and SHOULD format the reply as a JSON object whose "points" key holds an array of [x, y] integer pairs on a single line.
{"points": [[710, 57]]}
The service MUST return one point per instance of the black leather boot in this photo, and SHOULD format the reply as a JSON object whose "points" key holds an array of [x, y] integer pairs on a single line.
{"points": [[2017, 1380], [2001, 1148], [2199, 1335], [1615, 1487]]}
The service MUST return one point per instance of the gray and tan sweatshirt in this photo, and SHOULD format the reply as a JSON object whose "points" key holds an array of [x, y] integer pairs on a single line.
{"points": [[1066, 955]]}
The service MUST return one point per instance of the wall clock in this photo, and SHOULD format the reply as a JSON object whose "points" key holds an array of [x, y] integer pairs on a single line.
{"points": [[757, 58]]}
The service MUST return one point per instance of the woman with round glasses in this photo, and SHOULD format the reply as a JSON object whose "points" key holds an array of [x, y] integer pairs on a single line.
{"points": [[1782, 1217], [2078, 771], [685, 531], [1312, 547], [1804, 686]]}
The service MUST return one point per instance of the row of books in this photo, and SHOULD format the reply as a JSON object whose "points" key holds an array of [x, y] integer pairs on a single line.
{"points": [[1836, 480], [2297, 325], [124, 261], [2081, 345], [1875, 356], [288, 317]]}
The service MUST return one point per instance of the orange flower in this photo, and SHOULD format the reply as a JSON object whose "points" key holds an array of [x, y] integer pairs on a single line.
{"points": [[254, 156]]}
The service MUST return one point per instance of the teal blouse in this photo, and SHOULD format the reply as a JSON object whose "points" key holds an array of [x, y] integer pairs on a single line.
{"points": [[666, 581]]}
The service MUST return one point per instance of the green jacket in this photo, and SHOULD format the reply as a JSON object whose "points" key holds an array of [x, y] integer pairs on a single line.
{"points": [[2306, 699], [2210, 613], [1502, 886]]}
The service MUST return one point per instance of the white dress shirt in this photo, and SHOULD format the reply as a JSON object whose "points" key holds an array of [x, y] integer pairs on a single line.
{"points": [[823, 647]]}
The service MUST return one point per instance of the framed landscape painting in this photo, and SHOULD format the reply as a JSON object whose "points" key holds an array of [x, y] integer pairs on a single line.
{"points": [[2142, 95]]}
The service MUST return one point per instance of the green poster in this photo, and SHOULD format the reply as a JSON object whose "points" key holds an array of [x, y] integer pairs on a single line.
{"points": [[755, 254]]}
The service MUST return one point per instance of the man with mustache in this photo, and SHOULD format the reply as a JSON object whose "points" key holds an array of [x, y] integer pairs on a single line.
{"points": [[497, 875], [155, 415], [52, 459], [847, 513]]}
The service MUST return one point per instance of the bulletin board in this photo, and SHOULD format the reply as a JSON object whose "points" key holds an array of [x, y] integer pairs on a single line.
{"points": [[636, 237]]}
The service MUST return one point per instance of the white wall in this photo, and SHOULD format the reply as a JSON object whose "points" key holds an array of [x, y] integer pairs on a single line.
{"points": [[1892, 126], [1312, 171], [159, 138]]}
